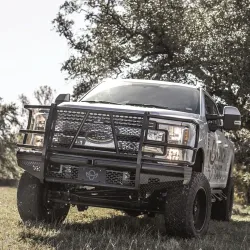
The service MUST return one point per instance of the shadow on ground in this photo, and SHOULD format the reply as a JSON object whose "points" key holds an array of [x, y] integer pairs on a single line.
{"points": [[8, 182], [123, 232]]}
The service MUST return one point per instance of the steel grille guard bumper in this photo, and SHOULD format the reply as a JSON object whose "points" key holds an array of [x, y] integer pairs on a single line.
{"points": [[36, 160]]}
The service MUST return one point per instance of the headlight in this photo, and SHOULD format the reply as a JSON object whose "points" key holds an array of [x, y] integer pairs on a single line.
{"points": [[156, 135], [180, 135], [37, 140], [39, 123]]}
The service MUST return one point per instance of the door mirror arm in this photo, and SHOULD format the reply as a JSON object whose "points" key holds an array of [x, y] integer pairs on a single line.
{"points": [[214, 117]]}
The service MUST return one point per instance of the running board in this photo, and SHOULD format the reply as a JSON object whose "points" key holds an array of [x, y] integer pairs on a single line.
{"points": [[217, 195]]}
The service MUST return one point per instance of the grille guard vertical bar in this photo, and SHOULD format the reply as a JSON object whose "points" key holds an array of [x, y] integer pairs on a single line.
{"points": [[48, 130], [28, 126], [79, 129], [114, 133], [139, 156]]}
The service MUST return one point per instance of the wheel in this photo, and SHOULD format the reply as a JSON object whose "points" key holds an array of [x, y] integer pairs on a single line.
{"points": [[132, 213], [150, 215], [222, 210], [188, 208], [32, 203]]}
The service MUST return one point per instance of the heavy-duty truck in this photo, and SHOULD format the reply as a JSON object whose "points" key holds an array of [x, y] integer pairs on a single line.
{"points": [[140, 146]]}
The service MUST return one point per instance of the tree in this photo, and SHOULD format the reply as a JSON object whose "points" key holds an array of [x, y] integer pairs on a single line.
{"points": [[8, 119], [44, 95], [139, 39], [24, 112], [24, 99], [160, 40]]}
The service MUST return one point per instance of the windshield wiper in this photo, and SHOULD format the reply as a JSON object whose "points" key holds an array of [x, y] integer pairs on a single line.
{"points": [[105, 102], [146, 105]]}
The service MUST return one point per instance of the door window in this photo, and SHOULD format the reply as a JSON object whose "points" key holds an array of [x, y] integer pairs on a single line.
{"points": [[211, 109]]}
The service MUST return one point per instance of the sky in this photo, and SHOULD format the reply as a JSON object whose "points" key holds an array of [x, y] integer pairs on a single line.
{"points": [[31, 52]]}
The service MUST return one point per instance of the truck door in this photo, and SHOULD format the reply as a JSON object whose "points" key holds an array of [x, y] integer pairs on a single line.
{"points": [[216, 150]]}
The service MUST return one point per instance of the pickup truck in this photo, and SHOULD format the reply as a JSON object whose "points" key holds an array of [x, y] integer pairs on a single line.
{"points": [[140, 146]]}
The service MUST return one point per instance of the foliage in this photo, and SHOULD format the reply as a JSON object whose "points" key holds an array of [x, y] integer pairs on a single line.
{"points": [[151, 36], [242, 181], [24, 101], [8, 119], [173, 40], [44, 95]]}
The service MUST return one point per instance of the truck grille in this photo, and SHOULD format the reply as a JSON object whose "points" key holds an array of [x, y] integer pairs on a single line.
{"points": [[97, 133]]}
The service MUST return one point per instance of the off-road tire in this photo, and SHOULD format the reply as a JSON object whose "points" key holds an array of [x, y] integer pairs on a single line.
{"points": [[222, 210], [32, 203], [180, 207]]}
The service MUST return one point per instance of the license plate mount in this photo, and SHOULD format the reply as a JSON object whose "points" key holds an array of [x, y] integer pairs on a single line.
{"points": [[96, 175]]}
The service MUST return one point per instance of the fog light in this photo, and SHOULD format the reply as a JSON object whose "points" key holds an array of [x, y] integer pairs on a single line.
{"points": [[153, 150], [156, 135]]}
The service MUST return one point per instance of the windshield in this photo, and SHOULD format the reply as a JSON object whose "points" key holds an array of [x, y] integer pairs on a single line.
{"points": [[158, 95]]}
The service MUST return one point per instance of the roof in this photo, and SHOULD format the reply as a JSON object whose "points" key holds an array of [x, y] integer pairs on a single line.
{"points": [[156, 82]]}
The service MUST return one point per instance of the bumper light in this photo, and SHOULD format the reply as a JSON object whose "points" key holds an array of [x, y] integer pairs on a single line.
{"points": [[176, 154], [153, 150], [156, 135]]}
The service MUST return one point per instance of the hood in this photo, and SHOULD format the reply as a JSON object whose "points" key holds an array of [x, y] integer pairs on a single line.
{"points": [[130, 109]]}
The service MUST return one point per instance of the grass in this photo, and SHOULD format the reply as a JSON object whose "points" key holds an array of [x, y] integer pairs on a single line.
{"points": [[109, 229]]}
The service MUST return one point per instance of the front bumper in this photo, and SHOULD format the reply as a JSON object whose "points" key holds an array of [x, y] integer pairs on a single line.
{"points": [[119, 174], [123, 167]]}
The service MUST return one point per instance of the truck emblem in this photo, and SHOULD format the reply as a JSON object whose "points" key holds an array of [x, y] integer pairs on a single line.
{"points": [[91, 175], [99, 136]]}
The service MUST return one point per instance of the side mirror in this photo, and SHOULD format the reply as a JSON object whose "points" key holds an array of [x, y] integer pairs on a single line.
{"points": [[62, 98], [231, 118]]}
